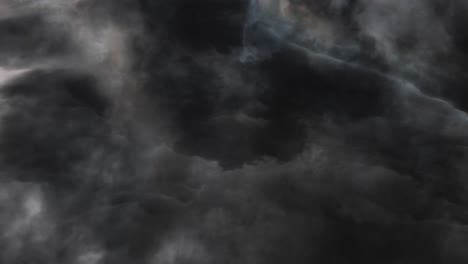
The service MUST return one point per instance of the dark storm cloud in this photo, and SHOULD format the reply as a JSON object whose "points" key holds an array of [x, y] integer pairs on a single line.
{"points": [[26, 37], [222, 131]]}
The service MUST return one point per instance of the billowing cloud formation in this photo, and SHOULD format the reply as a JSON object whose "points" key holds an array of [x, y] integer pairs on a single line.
{"points": [[233, 131]]}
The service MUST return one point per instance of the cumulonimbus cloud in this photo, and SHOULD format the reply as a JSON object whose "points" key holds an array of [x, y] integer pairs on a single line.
{"points": [[233, 131]]}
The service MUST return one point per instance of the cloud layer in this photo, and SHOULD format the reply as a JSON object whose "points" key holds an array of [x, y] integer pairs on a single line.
{"points": [[233, 131]]}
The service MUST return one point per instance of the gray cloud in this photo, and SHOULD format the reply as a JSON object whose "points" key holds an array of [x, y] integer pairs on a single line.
{"points": [[228, 131]]}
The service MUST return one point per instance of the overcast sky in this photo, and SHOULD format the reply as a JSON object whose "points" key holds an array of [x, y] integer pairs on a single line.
{"points": [[233, 131]]}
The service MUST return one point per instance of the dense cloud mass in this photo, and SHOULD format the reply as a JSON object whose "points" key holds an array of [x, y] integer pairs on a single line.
{"points": [[233, 131]]}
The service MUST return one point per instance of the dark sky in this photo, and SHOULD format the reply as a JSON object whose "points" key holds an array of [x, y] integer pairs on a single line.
{"points": [[233, 131]]}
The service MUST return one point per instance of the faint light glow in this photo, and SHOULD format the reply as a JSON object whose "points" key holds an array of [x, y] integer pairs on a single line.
{"points": [[9, 74]]}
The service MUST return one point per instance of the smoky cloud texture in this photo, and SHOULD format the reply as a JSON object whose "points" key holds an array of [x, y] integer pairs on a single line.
{"points": [[233, 131]]}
